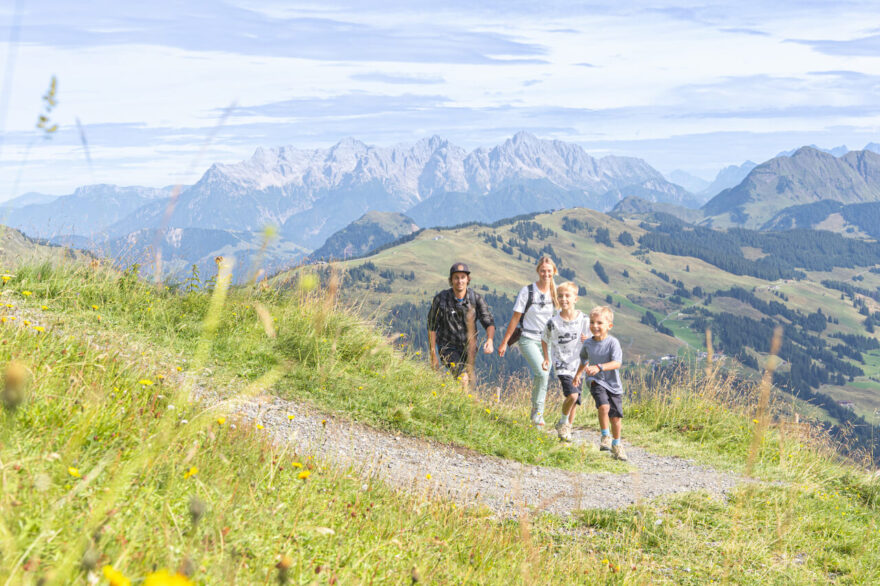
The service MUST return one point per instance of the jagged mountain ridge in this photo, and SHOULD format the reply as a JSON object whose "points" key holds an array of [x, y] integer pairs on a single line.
{"points": [[310, 194]]}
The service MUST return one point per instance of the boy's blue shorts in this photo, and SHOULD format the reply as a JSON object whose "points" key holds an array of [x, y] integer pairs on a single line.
{"points": [[602, 397]]}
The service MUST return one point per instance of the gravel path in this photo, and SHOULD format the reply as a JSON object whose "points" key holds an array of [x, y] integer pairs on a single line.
{"points": [[501, 485]]}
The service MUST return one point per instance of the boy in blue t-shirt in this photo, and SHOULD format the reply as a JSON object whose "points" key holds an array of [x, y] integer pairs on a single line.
{"points": [[604, 377]]}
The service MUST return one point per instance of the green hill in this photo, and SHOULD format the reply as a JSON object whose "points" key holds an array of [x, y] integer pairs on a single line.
{"points": [[368, 232], [687, 277], [114, 474]]}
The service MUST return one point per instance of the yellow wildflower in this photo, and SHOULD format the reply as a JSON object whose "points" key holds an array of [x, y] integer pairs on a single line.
{"points": [[115, 577], [26, 322], [489, 411], [221, 420], [304, 474], [428, 476], [26, 293], [755, 421], [191, 472], [259, 426], [179, 368], [44, 307], [166, 578], [297, 465], [39, 328], [145, 382], [74, 472], [290, 417], [94, 307]]}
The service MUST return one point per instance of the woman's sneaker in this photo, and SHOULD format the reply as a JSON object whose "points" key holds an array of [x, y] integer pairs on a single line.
{"points": [[538, 420], [618, 452], [605, 443]]}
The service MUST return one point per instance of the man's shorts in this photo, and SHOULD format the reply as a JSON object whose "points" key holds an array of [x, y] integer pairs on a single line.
{"points": [[568, 387], [454, 358], [602, 397]]}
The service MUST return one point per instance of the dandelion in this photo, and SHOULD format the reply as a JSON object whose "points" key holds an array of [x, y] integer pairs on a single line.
{"points": [[39, 328], [6, 278], [74, 472], [442, 384], [297, 465], [434, 393], [418, 353], [304, 474], [221, 420], [145, 382], [26, 293], [489, 411], [452, 364], [26, 322], [605, 561], [44, 308], [166, 578], [3, 319], [323, 422], [191, 472], [179, 368], [428, 476], [755, 421], [10, 306], [360, 388], [95, 307], [115, 577], [259, 426], [290, 416]]}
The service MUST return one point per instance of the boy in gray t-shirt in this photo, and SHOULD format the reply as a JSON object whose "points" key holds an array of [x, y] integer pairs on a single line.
{"points": [[604, 377]]}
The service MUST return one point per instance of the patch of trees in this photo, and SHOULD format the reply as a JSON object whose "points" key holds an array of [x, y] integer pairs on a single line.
{"points": [[650, 320], [812, 364], [626, 239], [603, 236], [850, 290], [575, 226], [600, 272], [532, 231], [786, 251], [863, 343]]}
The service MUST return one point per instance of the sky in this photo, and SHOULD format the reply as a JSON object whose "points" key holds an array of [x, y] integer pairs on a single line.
{"points": [[153, 93]]}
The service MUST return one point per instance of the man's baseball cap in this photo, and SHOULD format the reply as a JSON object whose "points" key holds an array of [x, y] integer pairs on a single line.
{"points": [[459, 267]]}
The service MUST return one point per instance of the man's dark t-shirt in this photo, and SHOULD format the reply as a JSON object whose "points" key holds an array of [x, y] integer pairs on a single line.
{"points": [[448, 317]]}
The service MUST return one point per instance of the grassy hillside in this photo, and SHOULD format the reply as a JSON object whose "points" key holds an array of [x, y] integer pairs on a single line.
{"points": [[110, 471], [396, 284]]}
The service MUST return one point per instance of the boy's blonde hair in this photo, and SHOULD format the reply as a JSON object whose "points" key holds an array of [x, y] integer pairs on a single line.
{"points": [[568, 286], [604, 311]]}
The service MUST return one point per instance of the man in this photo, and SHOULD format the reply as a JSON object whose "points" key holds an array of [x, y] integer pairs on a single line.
{"points": [[452, 330]]}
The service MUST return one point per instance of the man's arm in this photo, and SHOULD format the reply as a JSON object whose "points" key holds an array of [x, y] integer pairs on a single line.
{"points": [[432, 332], [489, 346], [432, 347]]}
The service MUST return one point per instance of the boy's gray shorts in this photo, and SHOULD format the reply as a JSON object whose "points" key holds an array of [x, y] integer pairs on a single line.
{"points": [[602, 397]]}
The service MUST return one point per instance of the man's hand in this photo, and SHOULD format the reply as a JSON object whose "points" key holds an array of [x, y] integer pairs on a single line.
{"points": [[488, 347], [545, 365]]}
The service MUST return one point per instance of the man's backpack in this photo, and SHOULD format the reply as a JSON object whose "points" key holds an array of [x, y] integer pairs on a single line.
{"points": [[514, 337]]}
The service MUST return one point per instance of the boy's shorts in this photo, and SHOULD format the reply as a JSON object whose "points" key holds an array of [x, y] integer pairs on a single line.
{"points": [[602, 397], [568, 387]]}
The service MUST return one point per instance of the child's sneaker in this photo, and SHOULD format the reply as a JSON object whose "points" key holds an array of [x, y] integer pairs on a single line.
{"points": [[618, 452], [565, 433], [605, 443], [560, 426]]}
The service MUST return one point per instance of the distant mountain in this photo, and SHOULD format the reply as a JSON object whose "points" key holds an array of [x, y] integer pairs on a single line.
{"points": [[640, 208], [690, 182], [858, 219], [808, 176], [310, 194], [728, 177], [837, 151], [367, 233], [87, 212], [27, 199]]}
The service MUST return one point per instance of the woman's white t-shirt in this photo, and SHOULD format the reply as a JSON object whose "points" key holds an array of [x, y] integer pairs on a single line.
{"points": [[539, 312]]}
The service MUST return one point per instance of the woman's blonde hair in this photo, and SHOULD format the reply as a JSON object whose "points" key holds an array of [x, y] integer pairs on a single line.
{"points": [[544, 260]]}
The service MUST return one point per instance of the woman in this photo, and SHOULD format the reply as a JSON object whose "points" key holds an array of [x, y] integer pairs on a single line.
{"points": [[535, 304]]}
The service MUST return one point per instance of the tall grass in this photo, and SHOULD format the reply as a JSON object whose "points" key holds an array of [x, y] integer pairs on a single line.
{"points": [[104, 462]]}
